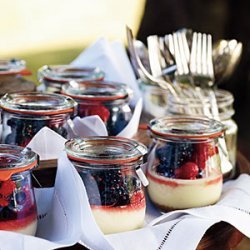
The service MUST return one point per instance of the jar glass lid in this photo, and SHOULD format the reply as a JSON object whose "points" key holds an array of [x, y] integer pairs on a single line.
{"points": [[66, 73], [186, 127], [38, 103], [105, 150], [15, 159], [102, 90], [11, 66]]}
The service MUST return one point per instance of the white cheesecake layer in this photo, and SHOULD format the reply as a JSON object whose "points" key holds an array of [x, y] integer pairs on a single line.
{"points": [[180, 194], [115, 220]]}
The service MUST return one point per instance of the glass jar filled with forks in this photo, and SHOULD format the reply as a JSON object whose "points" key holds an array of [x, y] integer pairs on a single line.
{"points": [[24, 114], [53, 77], [108, 100], [226, 111]]}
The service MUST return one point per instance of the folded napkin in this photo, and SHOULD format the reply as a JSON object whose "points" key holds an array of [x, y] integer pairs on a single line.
{"points": [[111, 57]]}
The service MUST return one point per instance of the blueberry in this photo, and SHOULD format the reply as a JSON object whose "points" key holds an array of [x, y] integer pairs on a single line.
{"points": [[171, 156], [20, 198]]}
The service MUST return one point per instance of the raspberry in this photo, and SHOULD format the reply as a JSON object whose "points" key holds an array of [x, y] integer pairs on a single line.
{"points": [[137, 197], [188, 170]]}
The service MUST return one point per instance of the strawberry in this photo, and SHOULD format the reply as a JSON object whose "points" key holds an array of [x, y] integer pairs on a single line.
{"points": [[188, 170]]}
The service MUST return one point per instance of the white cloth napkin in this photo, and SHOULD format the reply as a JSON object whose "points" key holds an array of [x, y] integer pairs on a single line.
{"points": [[111, 57], [94, 126]]}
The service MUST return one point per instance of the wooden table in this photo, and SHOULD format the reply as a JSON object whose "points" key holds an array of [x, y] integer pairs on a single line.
{"points": [[221, 236]]}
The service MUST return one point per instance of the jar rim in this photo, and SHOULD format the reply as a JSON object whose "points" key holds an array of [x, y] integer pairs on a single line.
{"points": [[96, 90], [12, 66], [15, 159], [36, 103], [105, 150], [186, 127], [66, 73]]}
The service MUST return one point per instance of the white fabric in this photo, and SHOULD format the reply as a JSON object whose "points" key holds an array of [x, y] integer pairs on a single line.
{"points": [[111, 57]]}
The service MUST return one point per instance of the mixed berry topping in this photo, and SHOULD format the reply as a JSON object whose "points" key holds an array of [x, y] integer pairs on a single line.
{"points": [[183, 160], [112, 188], [23, 130], [113, 116], [16, 201]]}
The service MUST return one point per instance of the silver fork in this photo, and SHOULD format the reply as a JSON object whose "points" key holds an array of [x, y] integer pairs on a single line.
{"points": [[142, 72]]}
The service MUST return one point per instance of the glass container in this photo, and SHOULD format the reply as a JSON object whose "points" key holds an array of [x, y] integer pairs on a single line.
{"points": [[107, 99], [226, 111], [18, 211], [12, 79], [55, 76], [184, 167], [24, 114], [110, 170]]}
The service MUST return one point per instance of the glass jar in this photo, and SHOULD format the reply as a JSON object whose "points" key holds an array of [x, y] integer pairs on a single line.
{"points": [[12, 77], [108, 100], [53, 77], [18, 211], [184, 167], [108, 167], [24, 114], [154, 101], [225, 105]]}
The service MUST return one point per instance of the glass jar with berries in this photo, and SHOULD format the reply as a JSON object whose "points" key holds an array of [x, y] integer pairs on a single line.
{"points": [[109, 100], [12, 72], [18, 211], [24, 114], [184, 166], [110, 168], [226, 111], [53, 77]]}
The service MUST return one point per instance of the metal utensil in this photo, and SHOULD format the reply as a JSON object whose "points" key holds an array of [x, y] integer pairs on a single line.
{"points": [[226, 57]]}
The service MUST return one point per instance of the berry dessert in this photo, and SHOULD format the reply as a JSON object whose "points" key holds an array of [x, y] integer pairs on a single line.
{"points": [[106, 99], [184, 166], [117, 200], [17, 202], [107, 166], [25, 114]]}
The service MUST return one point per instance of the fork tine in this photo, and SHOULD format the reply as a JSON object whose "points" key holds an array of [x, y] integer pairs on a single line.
{"points": [[209, 57], [177, 55], [204, 54], [183, 53], [193, 63], [198, 58]]}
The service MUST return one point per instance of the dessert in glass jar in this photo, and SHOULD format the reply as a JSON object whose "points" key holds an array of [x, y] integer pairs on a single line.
{"points": [[55, 76], [109, 100], [12, 72], [108, 167], [184, 167], [226, 111], [18, 211], [24, 114]]}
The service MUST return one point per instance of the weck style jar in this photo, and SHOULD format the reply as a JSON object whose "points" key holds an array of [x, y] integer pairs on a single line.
{"points": [[53, 77], [110, 170], [226, 111], [184, 166], [108, 100], [18, 211], [24, 114], [12, 72]]}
